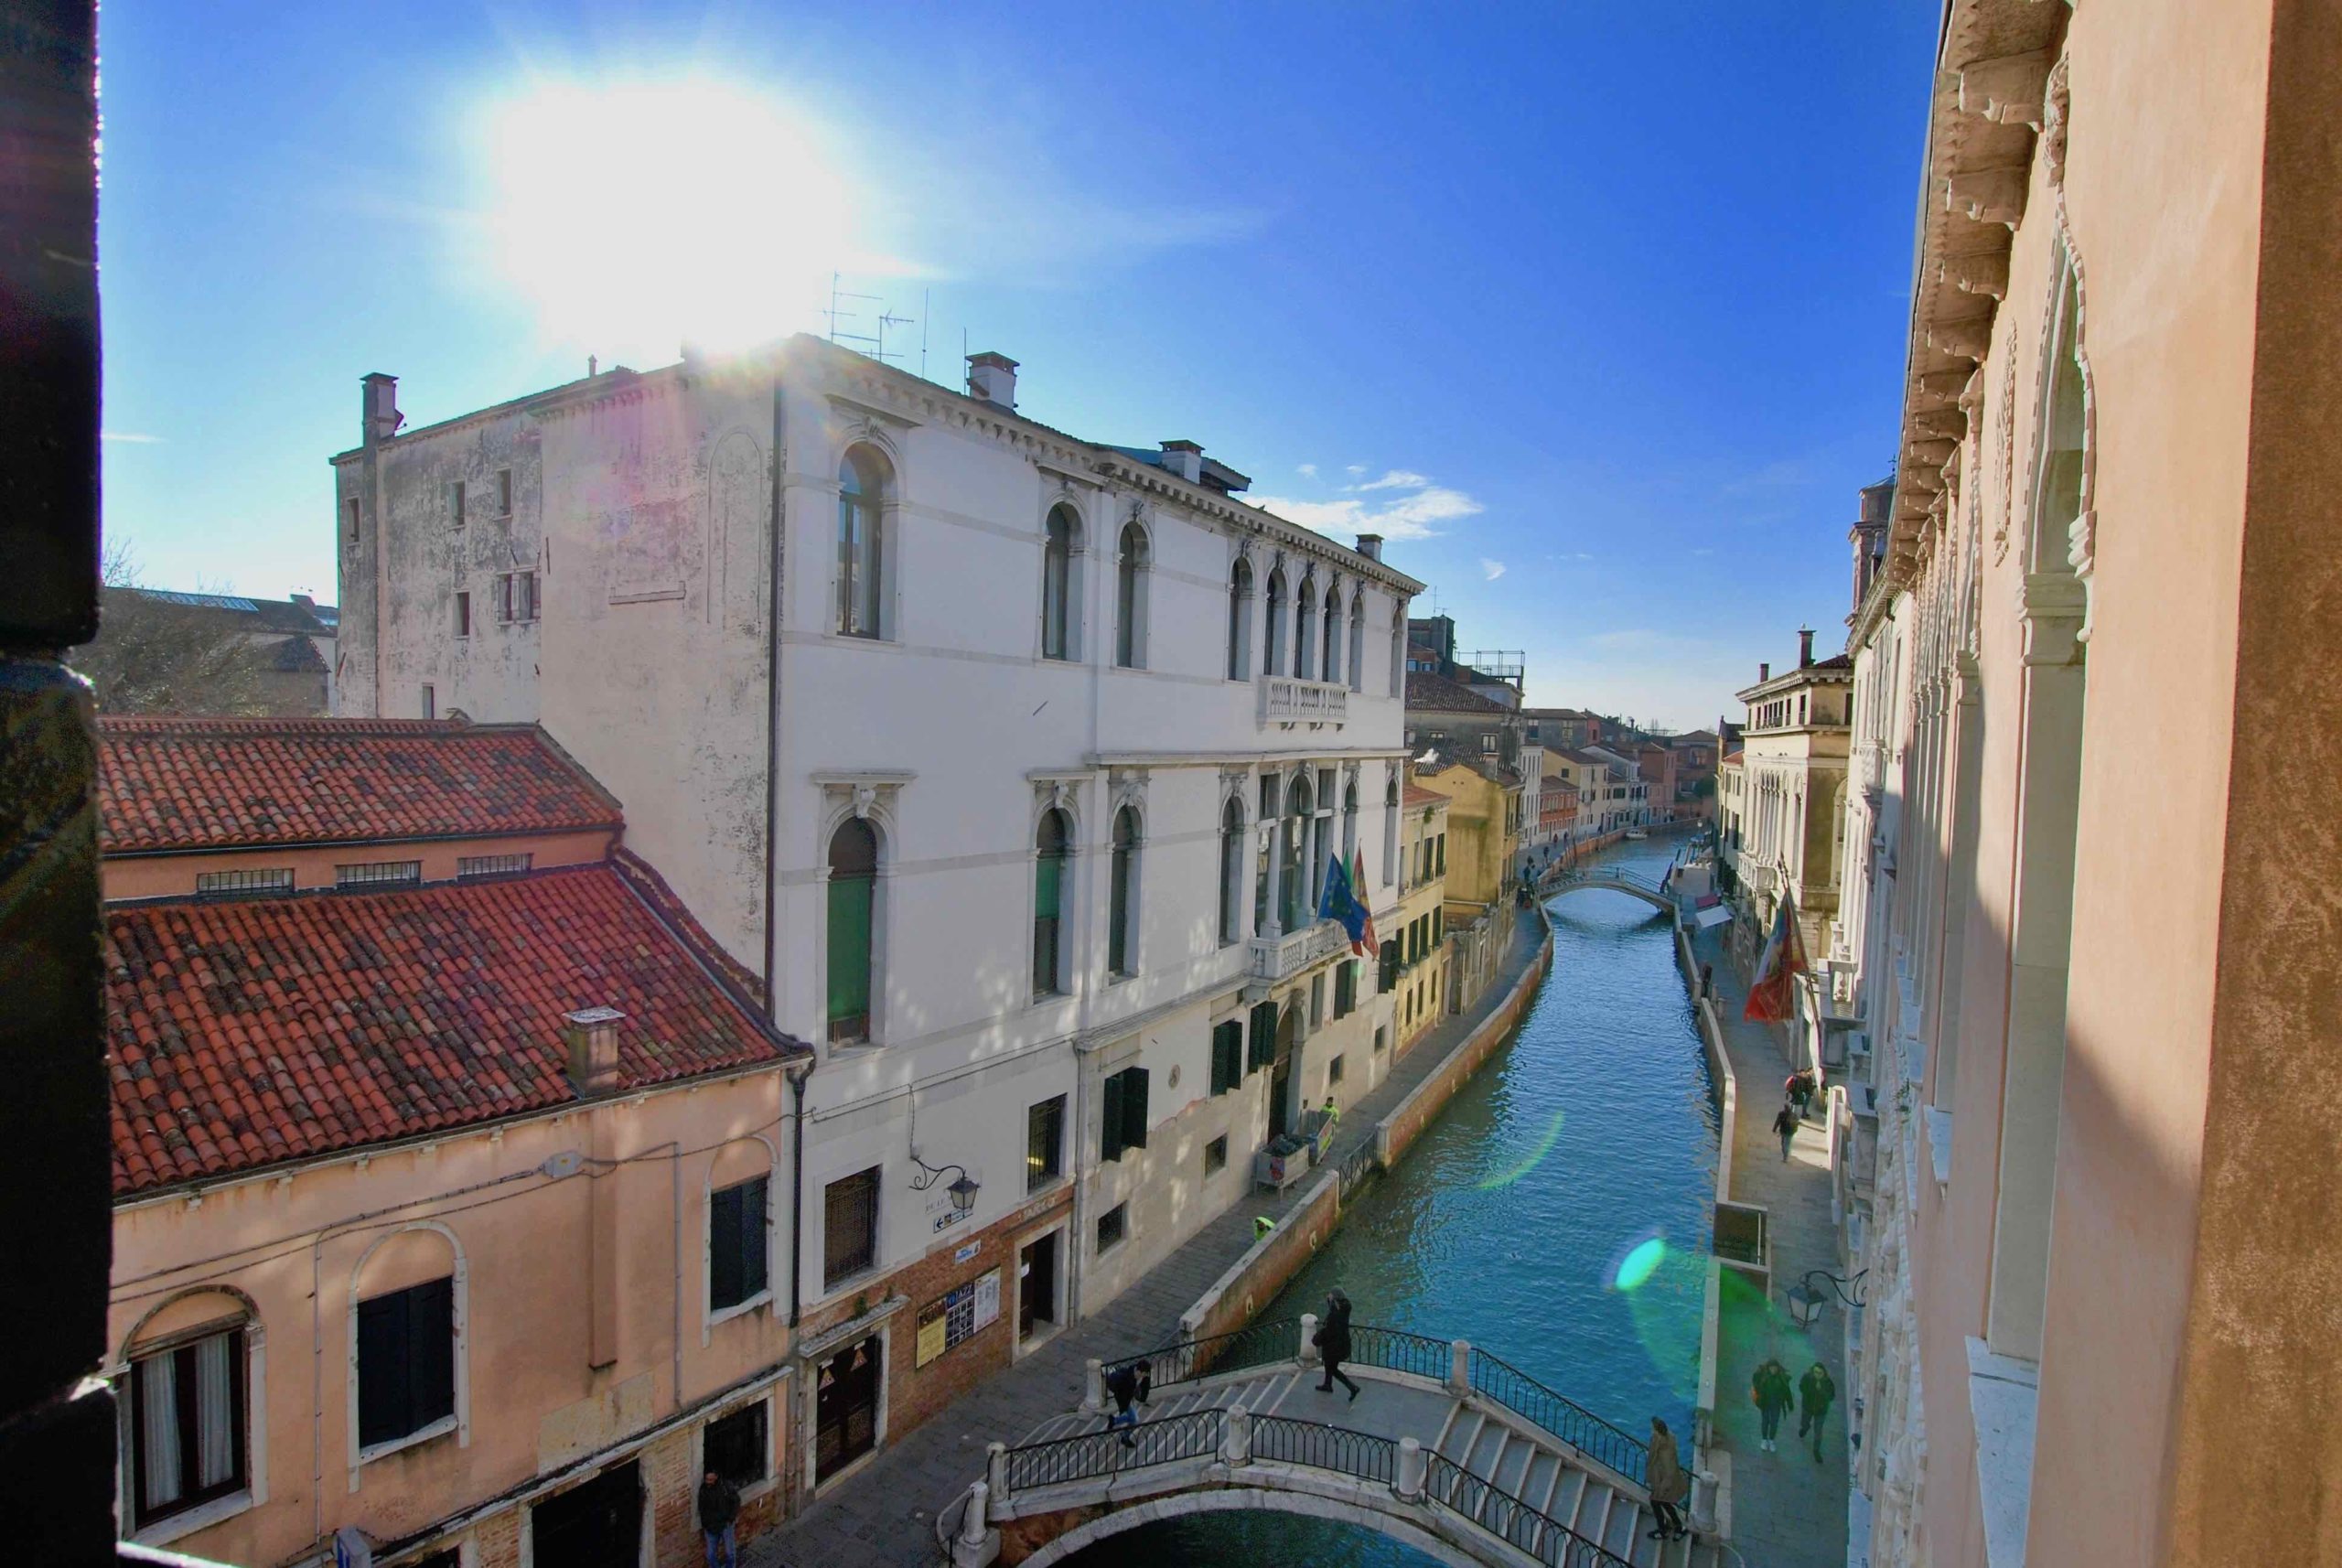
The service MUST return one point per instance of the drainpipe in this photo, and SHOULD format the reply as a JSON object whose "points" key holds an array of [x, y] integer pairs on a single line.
{"points": [[796, 1076], [772, 695]]}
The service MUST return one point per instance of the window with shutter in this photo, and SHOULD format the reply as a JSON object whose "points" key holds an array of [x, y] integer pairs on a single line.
{"points": [[1109, 1118], [406, 1361], [1121, 1109], [1227, 1056], [1390, 966], [737, 1267], [1262, 1050], [1135, 1108]]}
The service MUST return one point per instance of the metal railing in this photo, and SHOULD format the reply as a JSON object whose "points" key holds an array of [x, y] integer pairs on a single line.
{"points": [[1505, 1517], [1193, 1435], [1254, 1345], [1564, 1418], [1283, 1441], [1395, 1350]]}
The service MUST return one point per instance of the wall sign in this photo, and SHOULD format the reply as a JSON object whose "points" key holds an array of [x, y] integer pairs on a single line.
{"points": [[958, 1316]]}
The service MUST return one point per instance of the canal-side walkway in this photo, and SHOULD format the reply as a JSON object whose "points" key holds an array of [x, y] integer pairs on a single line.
{"points": [[883, 1517], [1787, 1511]]}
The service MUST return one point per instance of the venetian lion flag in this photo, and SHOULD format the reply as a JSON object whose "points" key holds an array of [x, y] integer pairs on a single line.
{"points": [[1769, 1000]]}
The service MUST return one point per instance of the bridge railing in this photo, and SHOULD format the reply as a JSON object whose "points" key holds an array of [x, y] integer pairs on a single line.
{"points": [[1254, 1345], [1564, 1418], [1502, 1515], [1312, 1443], [1395, 1350], [1193, 1435]]}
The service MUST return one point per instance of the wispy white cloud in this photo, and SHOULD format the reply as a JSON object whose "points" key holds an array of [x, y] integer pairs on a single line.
{"points": [[132, 436], [1491, 570], [1309, 470], [1356, 469], [1395, 479], [1413, 515]]}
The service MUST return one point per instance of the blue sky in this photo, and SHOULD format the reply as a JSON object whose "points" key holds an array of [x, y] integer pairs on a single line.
{"points": [[1598, 310]]}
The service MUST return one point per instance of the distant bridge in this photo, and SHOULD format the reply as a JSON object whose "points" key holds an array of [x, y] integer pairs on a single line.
{"points": [[1568, 879], [1448, 1448]]}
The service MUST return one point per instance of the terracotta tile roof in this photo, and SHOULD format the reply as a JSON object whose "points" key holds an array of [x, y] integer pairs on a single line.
{"points": [[1417, 795], [181, 783], [1436, 694], [246, 1033]]}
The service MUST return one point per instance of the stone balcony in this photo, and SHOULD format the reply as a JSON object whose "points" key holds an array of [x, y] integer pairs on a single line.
{"points": [[1279, 959], [1287, 700]]}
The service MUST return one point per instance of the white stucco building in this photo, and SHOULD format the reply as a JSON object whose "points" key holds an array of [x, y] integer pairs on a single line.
{"points": [[1009, 777]]}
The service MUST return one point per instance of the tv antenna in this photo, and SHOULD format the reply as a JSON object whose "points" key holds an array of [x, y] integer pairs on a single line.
{"points": [[887, 318], [836, 315]]}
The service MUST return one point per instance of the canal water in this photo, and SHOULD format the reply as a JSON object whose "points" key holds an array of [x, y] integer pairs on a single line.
{"points": [[1558, 1213]]}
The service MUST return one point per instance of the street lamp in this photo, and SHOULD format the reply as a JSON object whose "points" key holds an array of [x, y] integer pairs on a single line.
{"points": [[962, 1188], [1807, 1299]]}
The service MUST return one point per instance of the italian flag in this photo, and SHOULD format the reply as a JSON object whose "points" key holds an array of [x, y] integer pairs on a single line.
{"points": [[1769, 999]]}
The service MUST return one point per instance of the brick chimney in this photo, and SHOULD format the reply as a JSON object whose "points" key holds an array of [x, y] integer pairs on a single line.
{"points": [[381, 417], [993, 377], [592, 1036], [1764, 673], [1804, 647], [1371, 546]]}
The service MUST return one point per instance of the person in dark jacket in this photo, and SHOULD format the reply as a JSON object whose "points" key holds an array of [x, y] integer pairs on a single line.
{"points": [[1130, 1383], [1785, 1124], [1818, 1391], [1669, 1484], [1771, 1390], [1333, 1342], [719, 1508]]}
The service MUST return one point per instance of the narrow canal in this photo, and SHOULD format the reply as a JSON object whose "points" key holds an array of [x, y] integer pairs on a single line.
{"points": [[1558, 1213]]}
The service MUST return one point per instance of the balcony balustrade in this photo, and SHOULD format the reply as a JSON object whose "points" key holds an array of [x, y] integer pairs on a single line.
{"points": [[1280, 958], [1286, 701]]}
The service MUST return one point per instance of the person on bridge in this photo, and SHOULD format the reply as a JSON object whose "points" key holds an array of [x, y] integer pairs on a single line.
{"points": [[1818, 1390], [1771, 1390], [1128, 1384], [1785, 1124], [1333, 1342], [1668, 1483]]}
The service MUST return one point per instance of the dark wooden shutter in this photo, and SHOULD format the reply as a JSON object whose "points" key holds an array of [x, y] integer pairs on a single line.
{"points": [[1390, 966], [1264, 1050], [724, 1247], [1227, 1056], [1135, 1108], [382, 1395], [755, 1272], [431, 1351], [1109, 1136]]}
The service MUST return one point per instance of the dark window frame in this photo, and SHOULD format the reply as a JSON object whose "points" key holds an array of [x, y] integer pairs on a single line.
{"points": [[740, 1217], [854, 1199], [746, 1430], [1044, 1154], [1114, 1229], [410, 1385], [1121, 1113], [186, 1419]]}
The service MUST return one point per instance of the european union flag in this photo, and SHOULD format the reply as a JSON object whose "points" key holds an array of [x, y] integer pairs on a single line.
{"points": [[1341, 902]]}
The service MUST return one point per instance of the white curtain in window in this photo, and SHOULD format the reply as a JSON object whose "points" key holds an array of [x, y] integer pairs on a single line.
{"points": [[158, 1438], [215, 1441]]}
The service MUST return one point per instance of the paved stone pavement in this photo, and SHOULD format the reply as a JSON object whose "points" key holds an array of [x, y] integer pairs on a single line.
{"points": [[1787, 1511], [885, 1516]]}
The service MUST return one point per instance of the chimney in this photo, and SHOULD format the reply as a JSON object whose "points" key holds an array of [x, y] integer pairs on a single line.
{"points": [[1184, 458], [1764, 673], [1371, 546], [380, 417], [993, 377], [1804, 647], [592, 1036]]}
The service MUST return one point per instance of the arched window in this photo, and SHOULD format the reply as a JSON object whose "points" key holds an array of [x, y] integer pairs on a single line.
{"points": [[1358, 639], [1391, 829], [1305, 627], [1329, 667], [1239, 621], [853, 888], [1057, 584], [1273, 638], [1232, 873], [1350, 822], [861, 544], [1294, 908], [188, 1402], [1122, 912], [406, 1316], [1050, 846], [1130, 599]]}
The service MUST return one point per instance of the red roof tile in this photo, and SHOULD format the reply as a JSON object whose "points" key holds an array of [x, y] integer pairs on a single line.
{"points": [[246, 1033], [178, 784], [1418, 796]]}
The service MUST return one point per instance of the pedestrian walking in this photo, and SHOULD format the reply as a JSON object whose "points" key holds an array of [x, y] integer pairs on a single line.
{"points": [[1708, 981], [719, 1512], [1799, 1089], [1668, 1483], [1818, 1391], [1129, 1384], [1333, 1342], [1785, 1124], [1770, 1390]]}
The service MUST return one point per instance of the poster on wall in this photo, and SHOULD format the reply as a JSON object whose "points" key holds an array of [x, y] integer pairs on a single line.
{"points": [[958, 1316]]}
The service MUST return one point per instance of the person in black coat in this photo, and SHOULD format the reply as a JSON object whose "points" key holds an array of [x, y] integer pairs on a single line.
{"points": [[1333, 1343], [1128, 1382], [719, 1508]]}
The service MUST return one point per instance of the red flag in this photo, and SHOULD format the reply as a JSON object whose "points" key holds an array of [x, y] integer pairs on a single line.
{"points": [[1769, 996], [1365, 946]]}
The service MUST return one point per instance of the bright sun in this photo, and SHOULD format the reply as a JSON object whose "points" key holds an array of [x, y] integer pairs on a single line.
{"points": [[640, 216]]}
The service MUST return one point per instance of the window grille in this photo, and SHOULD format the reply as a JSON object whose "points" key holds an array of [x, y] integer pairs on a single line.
{"points": [[468, 867], [1111, 1226], [244, 883], [849, 1227], [380, 874]]}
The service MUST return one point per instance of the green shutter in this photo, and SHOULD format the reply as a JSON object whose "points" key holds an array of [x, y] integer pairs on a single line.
{"points": [[850, 947], [1109, 1118], [1264, 1050], [1135, 1108], [1045, 884]]}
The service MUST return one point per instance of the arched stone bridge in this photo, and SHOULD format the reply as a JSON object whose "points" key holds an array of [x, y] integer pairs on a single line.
{"points": [[1448, 1448], [1571, 879]]}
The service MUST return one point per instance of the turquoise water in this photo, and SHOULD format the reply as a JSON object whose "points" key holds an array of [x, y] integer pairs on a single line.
{"points": [[1557, 1214]]}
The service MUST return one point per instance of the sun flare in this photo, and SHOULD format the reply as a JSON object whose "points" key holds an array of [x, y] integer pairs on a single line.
{"points": [[637, 216]]}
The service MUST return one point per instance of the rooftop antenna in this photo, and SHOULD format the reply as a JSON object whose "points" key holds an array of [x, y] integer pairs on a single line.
{"points": [[925, 310], [888, 319], [836, 315]]}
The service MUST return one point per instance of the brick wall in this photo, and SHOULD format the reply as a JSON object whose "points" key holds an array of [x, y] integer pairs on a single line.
{"points": [[1262, 1272]]}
